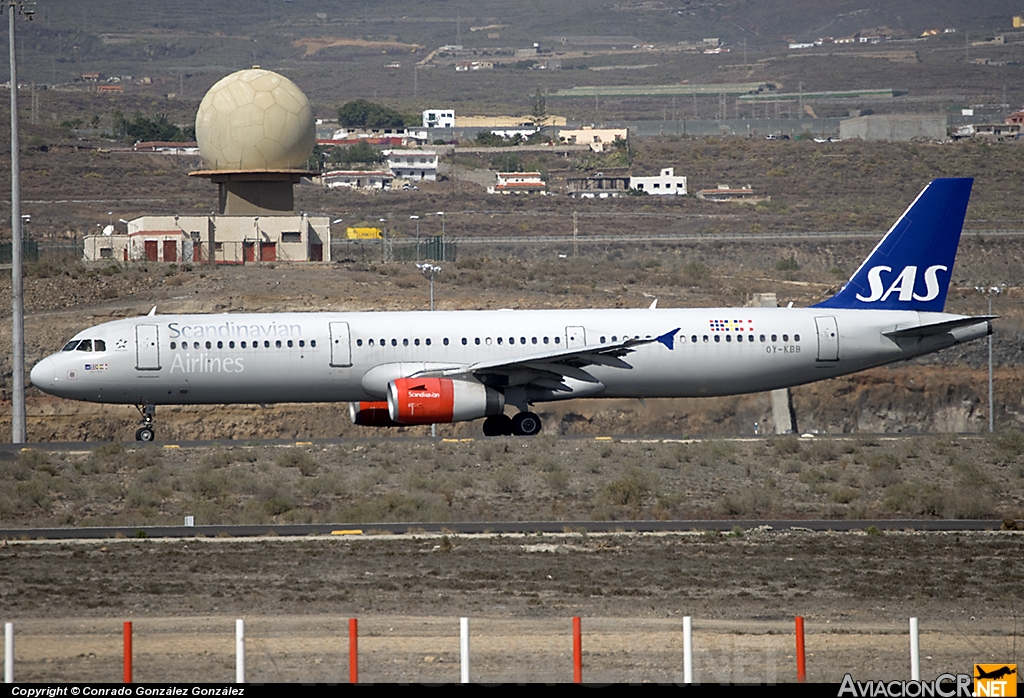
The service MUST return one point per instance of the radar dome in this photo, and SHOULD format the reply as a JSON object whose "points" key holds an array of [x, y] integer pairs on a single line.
{"points": [[255, 120]]}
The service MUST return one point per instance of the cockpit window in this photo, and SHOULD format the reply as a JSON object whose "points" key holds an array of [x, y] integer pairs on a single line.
{"points": [[85, 345], [99, 345], [70, 346]]}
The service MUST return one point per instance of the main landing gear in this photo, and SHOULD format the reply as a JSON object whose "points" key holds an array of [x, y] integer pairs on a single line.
{"points": [[146, 432], [523, 424]]}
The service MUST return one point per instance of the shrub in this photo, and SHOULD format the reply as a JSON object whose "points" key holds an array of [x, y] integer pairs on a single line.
{"points": [[298, 459]]}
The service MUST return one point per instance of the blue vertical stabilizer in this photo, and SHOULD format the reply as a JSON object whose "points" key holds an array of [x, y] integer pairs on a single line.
{"points": [[911, 267]]}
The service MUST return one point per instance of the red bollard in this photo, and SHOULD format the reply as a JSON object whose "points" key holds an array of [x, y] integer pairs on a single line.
{"points": [[353, 650], [801, 666], [127, 651], [577, 651]]}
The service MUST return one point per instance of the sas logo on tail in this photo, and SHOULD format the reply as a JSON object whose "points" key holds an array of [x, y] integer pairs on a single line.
{"points": [[904, 284]]}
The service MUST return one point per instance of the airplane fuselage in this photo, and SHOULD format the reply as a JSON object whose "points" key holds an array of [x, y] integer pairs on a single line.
{"points": [[335, 357]]}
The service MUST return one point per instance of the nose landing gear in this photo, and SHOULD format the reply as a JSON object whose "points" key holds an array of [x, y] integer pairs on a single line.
{"points": [[146, 431]]}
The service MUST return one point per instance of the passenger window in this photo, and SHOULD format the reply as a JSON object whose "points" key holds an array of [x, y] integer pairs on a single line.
{"points": [[477, 340], [195, 345], [533, 339], [312, 342], [394, 342], [243, 345], [359, 342], [85, 345], [545, 340], [750, 338], [718, 338], [522, 340], [173, 345], [705, 339], [302, 342], [231, 345], [210, 346], [464, 341], [100, 345], [728, 337], [775, 337], [602, 340], [762, 338], [290, 345], [499, 340], [427, 341], [416, 342], [796, 338], [70, 346], [266, 344], [405, 342], [220, 345], [785, 338], [487, 341], [558, 340]]}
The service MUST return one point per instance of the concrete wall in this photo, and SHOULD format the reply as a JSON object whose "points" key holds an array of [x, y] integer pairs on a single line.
{"points": [[894, 127]]}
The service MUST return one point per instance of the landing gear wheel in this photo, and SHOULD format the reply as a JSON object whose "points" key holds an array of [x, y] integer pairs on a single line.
{"points": [[498, 425], [145, 432], [526, 424]]}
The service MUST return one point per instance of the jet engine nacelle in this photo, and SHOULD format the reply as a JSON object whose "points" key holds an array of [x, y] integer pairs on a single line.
{"points": [[441, 400], [370, 414]]}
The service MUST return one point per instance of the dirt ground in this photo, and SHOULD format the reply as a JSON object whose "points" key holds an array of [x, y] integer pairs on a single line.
{"points": [[856, 592]]}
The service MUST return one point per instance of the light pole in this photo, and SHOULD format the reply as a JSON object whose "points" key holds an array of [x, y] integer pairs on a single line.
{"points": [[430, 271], [417, 219], [18, 430], [990, 291], [441, 213]]}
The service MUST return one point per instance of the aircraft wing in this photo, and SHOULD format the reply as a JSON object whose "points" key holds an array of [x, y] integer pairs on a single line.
{"points": [[938, 327], [550, 369]]}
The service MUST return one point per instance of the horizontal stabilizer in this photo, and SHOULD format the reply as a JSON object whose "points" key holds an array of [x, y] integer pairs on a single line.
{"points": [[939, 327]]}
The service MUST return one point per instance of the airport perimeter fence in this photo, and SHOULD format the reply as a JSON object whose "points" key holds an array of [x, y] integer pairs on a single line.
{"points": [[29, 251], [400, 648]]}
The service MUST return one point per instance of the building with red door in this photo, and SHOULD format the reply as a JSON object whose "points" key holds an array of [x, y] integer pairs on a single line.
{"points": [[232, 239]]}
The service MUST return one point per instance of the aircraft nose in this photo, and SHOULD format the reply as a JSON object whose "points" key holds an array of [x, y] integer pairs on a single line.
{"points": [[44, 375]]}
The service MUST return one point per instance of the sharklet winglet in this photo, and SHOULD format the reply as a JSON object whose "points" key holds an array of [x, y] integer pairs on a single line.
{"points": [[669, 338]]}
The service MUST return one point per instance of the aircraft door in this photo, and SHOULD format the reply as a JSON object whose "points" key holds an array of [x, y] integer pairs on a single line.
{"points": [[575, 337], [147, 348], [341, 344], [828, 338]]}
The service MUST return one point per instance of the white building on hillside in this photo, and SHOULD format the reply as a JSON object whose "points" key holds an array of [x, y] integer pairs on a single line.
{"points": [[439, 118], [509, 182], [417, 165], [357, 179], [665, 184]]}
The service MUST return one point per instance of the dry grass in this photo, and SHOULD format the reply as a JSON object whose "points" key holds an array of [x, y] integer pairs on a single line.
{"points": [[501, 479]]}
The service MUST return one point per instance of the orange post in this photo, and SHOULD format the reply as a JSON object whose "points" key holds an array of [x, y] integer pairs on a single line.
{"points": [[353, 650], [801, 666], [577, 651], [127, 652]]}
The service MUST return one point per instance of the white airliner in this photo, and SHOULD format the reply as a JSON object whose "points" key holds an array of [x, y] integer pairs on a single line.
{"points": [[403, 368]]}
